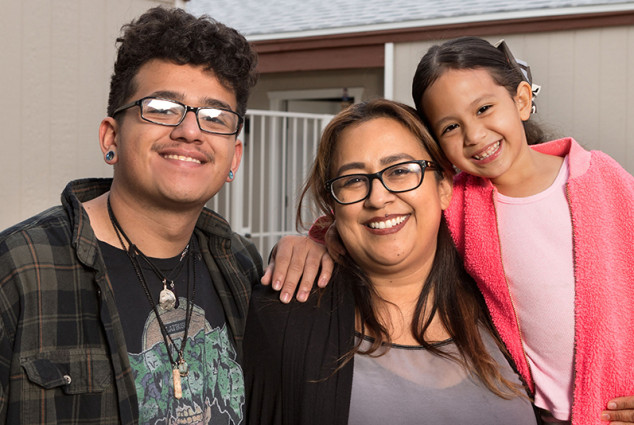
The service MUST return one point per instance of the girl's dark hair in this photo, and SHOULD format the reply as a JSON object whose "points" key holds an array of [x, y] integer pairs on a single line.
{"points": [[177, 36], [470, 53], [456, 300]]}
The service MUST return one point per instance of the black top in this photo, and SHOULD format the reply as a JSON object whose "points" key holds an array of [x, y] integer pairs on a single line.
{"points": [[291, 354]]}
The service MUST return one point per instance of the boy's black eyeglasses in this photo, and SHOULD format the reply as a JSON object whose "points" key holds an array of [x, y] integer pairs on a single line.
{"points": [[398, 178], [171, 113]]}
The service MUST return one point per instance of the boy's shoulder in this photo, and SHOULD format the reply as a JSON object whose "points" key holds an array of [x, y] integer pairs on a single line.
{"points": [[45, 238], [53, 220]]}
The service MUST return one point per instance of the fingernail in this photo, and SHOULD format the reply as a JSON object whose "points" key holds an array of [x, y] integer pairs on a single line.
{"points": [[302, 296], [605, 417], [612, 405], [286, 297], [277, 285], [322, 282]]}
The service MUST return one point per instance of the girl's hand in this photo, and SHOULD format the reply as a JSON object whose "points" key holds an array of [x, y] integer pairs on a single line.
{"points": [[620, 411]]}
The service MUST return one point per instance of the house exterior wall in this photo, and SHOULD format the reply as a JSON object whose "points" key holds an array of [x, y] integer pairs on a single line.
{"points": [[587, 79], [370, 78], [57, 58]]}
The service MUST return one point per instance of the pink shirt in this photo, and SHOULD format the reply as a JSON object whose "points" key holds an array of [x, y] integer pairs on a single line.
{"points": [[537, 254], [600, 196]]}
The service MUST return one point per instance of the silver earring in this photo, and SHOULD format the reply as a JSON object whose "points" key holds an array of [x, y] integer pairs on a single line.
{"points": [[231, 174], [109, 155]]}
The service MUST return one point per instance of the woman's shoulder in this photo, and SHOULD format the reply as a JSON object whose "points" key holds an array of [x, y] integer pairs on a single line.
{"points": [[321, 301], [322, 318]]}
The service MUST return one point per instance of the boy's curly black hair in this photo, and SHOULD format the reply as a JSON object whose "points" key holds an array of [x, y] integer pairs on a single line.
{"points": [[177, 36]]}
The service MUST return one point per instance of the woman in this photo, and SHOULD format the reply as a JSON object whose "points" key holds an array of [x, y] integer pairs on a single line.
{"points": [[400, 334]]}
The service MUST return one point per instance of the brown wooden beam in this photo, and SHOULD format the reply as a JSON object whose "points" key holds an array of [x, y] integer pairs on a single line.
{"points": [[323, 59]]}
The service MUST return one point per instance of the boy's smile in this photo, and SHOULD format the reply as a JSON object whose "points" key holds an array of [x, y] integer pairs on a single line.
{"points": [[174, 167]]}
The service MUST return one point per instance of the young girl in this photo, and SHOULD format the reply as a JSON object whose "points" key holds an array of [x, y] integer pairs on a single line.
{"points": [[545, 230]]}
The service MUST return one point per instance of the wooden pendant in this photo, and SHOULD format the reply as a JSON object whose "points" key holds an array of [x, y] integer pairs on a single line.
{"points": [[178, 390]]}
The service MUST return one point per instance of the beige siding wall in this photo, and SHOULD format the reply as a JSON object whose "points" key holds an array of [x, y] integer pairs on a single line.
{"points": [[587, 80], [57, 58], [370, 79]]}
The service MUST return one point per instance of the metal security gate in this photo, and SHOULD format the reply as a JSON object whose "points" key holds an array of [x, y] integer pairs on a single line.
{"points": [[279, 148]]}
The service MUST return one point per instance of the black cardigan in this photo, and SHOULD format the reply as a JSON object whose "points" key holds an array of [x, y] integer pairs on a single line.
{"points": [[294, 347], [291, 353]]}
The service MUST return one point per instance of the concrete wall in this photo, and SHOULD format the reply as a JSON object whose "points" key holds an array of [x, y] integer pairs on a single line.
{"points": [[57, 58], [587, 79]]}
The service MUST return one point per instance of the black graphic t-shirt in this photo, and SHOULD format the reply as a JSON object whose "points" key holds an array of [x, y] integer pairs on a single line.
{"points": [[213, 390]]}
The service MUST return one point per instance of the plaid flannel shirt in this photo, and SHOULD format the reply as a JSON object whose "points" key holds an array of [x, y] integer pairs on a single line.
{"points": [[63, 357]]}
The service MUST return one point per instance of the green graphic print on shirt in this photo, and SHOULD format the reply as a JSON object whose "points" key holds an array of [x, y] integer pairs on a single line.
{"points": [[213, 390]]}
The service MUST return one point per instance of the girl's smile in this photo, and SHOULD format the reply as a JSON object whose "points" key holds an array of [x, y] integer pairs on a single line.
{"points": [[489, 153], [477, 122], [479, 126]]}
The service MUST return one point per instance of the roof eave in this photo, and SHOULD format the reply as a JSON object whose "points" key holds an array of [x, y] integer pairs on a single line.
{"points": [[451, 21]]}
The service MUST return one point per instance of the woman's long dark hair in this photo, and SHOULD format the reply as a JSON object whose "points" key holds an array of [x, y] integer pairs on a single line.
{"points": [[456, 300]]}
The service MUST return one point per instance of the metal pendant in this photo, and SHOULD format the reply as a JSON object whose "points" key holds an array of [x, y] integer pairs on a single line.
{"points": [[167, 299], [183, 368]]}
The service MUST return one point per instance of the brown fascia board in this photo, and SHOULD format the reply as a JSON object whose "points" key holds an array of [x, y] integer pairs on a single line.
{"points": [[366, 49]]}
